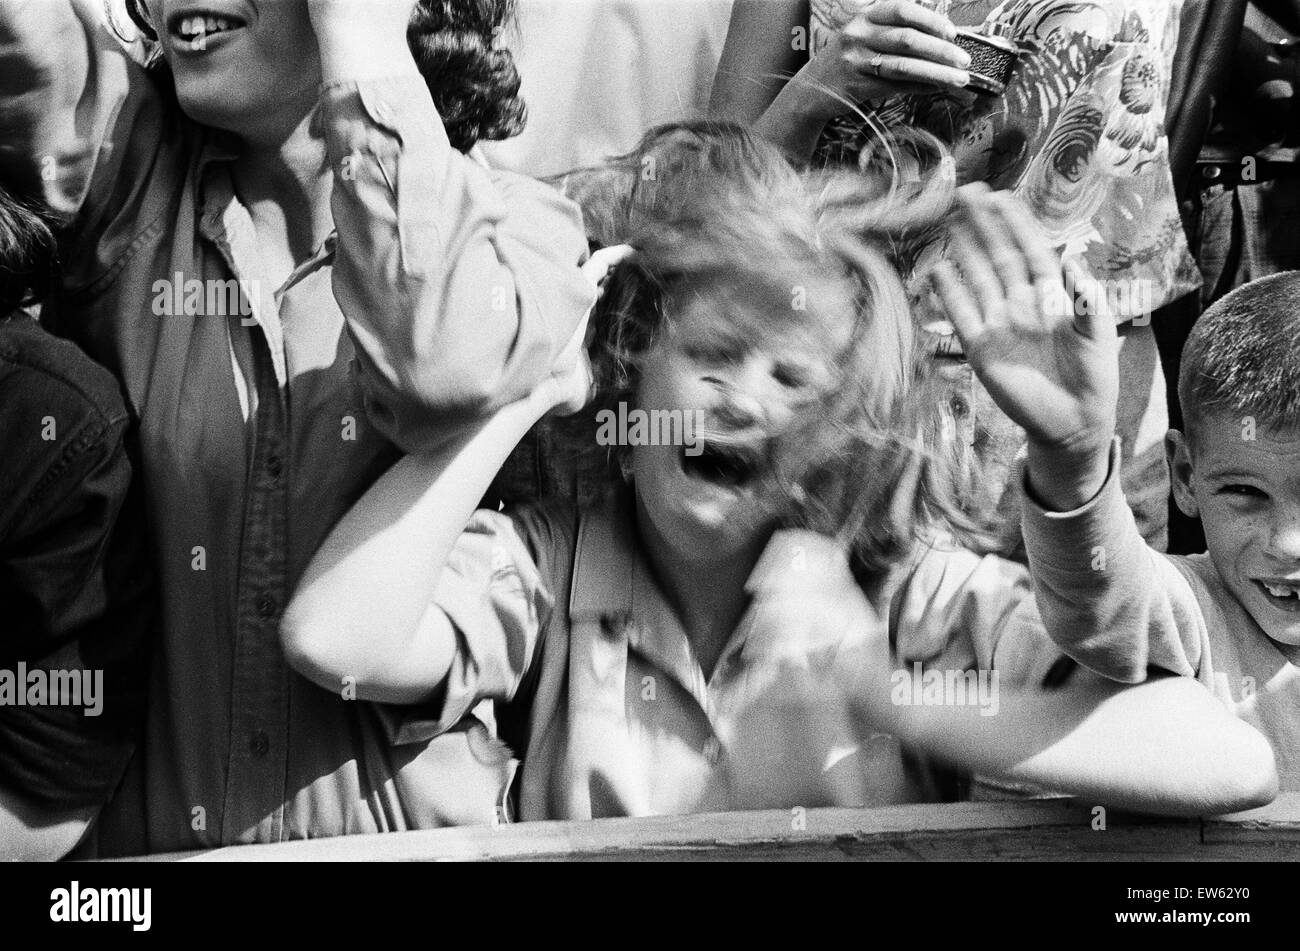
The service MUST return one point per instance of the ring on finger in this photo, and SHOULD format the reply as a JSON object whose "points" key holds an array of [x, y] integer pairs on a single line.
{"points": [[875, 63]]}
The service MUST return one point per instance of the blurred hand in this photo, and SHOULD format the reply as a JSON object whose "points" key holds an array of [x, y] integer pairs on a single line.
{"points": [[1045, 350], [571, 386]]}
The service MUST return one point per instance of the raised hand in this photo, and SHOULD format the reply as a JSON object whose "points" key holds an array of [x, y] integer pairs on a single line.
{"points": [[1045, 349]]}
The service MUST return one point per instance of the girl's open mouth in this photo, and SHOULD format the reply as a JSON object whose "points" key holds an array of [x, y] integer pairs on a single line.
{"points": [[193, 31], [725, 464]]}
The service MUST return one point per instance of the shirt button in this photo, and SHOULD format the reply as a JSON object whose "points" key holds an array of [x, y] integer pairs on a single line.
{"points": [[712, 750], [275, 468], [259, 743], [266, 605]]}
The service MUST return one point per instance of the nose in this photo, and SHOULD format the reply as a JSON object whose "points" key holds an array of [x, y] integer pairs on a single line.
{"points": [[744, 388], [1284, 541]]}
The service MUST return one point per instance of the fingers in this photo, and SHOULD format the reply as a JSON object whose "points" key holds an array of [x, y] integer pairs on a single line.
{"points": [[904, 41], [957, 302], [909, 14], [601, 263], [1043, 263], [969, 252], [998, 245], [900, 69], [901, 42], [1092, 315]]}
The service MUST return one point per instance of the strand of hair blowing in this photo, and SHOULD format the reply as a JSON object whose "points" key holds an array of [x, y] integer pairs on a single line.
{"points": [[475, 85]]}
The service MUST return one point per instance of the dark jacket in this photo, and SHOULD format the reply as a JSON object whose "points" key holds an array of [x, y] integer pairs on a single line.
{"points": [[75, 588]]}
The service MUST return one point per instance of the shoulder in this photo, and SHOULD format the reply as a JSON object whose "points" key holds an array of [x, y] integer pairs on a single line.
{"points": [[945, 588], [1211, 594], [534, 542], [41, 371]]}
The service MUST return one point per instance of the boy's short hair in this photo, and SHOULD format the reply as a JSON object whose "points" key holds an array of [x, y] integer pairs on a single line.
{"points": [[28, 254], [1243, 355]]}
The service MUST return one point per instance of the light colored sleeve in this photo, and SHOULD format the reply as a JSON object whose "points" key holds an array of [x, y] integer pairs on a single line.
{"points": [[959, 611], [1108, 600], [460, 286], [494, 595]]}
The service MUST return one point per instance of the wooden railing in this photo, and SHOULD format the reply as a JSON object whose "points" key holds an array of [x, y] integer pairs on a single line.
{"points": [[963, 831]]}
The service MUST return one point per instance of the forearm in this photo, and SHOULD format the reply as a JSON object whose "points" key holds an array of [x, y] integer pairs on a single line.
{"points": [[793, 122], [761, 53], [1167, 746], [1063, 479], [363, 614], [1106, 599], [355, 49]]}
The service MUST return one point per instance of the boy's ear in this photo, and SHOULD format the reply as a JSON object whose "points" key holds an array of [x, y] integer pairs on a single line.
{"points": [[1179, 455]]}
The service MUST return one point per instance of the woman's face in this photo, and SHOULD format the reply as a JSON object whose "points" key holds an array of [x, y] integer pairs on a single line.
{"points": [[739, 377], [240, 65]]}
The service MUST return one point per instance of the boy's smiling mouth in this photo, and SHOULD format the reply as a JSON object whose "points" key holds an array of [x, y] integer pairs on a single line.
{"points": [[1282, 593]]}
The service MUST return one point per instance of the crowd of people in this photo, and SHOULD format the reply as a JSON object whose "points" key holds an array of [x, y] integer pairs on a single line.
{"points": [[315, 519]]}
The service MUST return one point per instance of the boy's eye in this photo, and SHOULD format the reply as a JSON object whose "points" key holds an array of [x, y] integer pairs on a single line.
{"points": [[1242, 491]]}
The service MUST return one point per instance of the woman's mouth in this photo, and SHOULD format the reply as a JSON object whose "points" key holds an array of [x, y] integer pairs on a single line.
{"points": [[193, 31]]}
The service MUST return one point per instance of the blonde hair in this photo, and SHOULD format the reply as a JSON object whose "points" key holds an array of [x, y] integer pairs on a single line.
{"points": [[872, 462]]}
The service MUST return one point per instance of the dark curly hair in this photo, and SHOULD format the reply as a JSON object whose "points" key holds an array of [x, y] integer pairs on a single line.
{"points": [[28, 255], [475, 85]]}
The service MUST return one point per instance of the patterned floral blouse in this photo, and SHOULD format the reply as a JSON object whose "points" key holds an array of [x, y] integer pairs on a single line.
{"points": [[1078, 134]]}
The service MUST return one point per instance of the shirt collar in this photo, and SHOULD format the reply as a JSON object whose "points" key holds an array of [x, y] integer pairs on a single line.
{"points": [[614, 577]]}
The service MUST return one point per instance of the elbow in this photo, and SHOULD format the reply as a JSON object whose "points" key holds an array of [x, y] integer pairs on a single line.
{"points": [[1253, 780], [309, 642], [1243, 776]]}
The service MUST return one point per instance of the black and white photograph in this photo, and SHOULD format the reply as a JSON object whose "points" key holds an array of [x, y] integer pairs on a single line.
{"points": [[693, 431]]}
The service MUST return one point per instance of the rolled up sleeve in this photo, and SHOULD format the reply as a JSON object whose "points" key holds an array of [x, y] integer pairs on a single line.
{"points": [[459, 286], [493, 594]]}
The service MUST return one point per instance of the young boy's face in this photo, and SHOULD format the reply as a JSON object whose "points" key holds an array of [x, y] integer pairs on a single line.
{"points": [[1243, 480], [739, 379]]}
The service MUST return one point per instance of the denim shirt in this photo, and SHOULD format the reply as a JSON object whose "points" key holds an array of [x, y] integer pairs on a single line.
{"points": [[75, 588], [447, 292]]}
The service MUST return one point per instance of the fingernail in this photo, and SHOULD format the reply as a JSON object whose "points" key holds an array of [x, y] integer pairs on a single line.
{"points": [[963, 79], [963, 58]]}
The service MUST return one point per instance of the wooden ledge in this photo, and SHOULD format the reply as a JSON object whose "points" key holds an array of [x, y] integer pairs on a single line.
{"points": [[973, 831]]}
